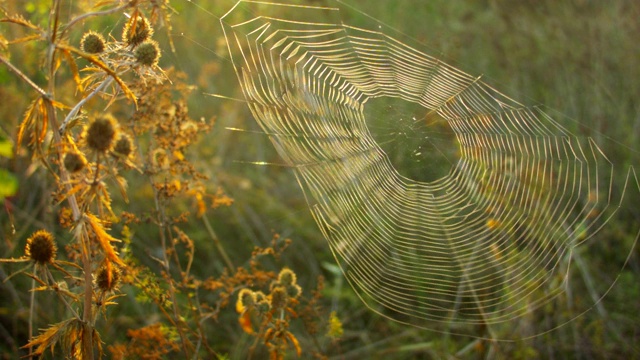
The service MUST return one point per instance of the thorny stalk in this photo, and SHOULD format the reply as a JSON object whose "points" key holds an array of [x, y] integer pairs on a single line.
{"points": [[86, 257]]}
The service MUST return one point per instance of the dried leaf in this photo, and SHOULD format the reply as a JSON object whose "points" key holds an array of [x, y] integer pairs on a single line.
{"points": [[94, 60], [66, 263], [105, 2], [44, 111], [98, 342], [59, 105], [104, 239], [36, 279], [3, 42], [295, 343], [17, 19], [245, 322], [74, 69], [27, 120], [48, 338], [24, 39]]}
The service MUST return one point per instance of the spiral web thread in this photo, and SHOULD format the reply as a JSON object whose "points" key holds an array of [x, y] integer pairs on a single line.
{"points": [[483, 245]]}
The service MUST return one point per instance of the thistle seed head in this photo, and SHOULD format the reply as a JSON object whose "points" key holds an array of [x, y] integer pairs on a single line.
{"points": [[100, 133], [92, 43], [148, 53], [41, 247], [137, 31], [108, 278], [74, 162]]}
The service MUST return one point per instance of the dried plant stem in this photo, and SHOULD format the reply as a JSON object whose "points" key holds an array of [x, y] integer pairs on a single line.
{"points": [[62, 298], [86, 255], [23, 77], [95, 13], [32, 305], [217, 243], [88, 294], [74, 111], [87, 337]]}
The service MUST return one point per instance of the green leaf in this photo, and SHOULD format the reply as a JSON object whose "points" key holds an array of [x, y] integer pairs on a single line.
{"points": [[6, 148], [8, 184]]}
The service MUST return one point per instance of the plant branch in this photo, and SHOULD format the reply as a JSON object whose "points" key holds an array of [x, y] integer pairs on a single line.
{"points": [[50, 276], [74, 111], [23, 77], [32, 310], [73, 203], [217, 243], [95, 13]]}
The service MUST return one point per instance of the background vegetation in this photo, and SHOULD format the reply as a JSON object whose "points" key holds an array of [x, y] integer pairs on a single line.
{"points": [[199, 221]]}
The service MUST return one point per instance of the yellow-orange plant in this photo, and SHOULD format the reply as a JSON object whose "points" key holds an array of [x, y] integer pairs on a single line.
{"points": [[127, 121]]}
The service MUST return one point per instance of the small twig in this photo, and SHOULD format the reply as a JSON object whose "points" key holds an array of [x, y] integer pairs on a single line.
{"points": [[95, 178], [50, 276], [24, 77], [32, 309], [217, 243], [74, 111], [88, 296], [96, 13]]}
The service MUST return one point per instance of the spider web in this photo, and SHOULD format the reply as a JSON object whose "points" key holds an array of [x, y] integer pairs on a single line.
{"points": [[481, 233]]}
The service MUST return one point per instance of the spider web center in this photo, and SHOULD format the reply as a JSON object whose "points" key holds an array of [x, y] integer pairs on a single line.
{"points": [[419, 143]]}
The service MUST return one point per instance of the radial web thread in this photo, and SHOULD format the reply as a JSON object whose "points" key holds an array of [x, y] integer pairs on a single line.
{"points": [[484, 244]]}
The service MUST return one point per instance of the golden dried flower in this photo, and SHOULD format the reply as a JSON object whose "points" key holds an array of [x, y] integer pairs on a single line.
{"points": [[41, 247], [74, 162], [108, 278], [246, 299], [263, 306], [147, 53], [137, 31], [278, 297], [100, 133], [92, 43], [260, 296], [294, 290], [286, 277], [123, 146]]}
